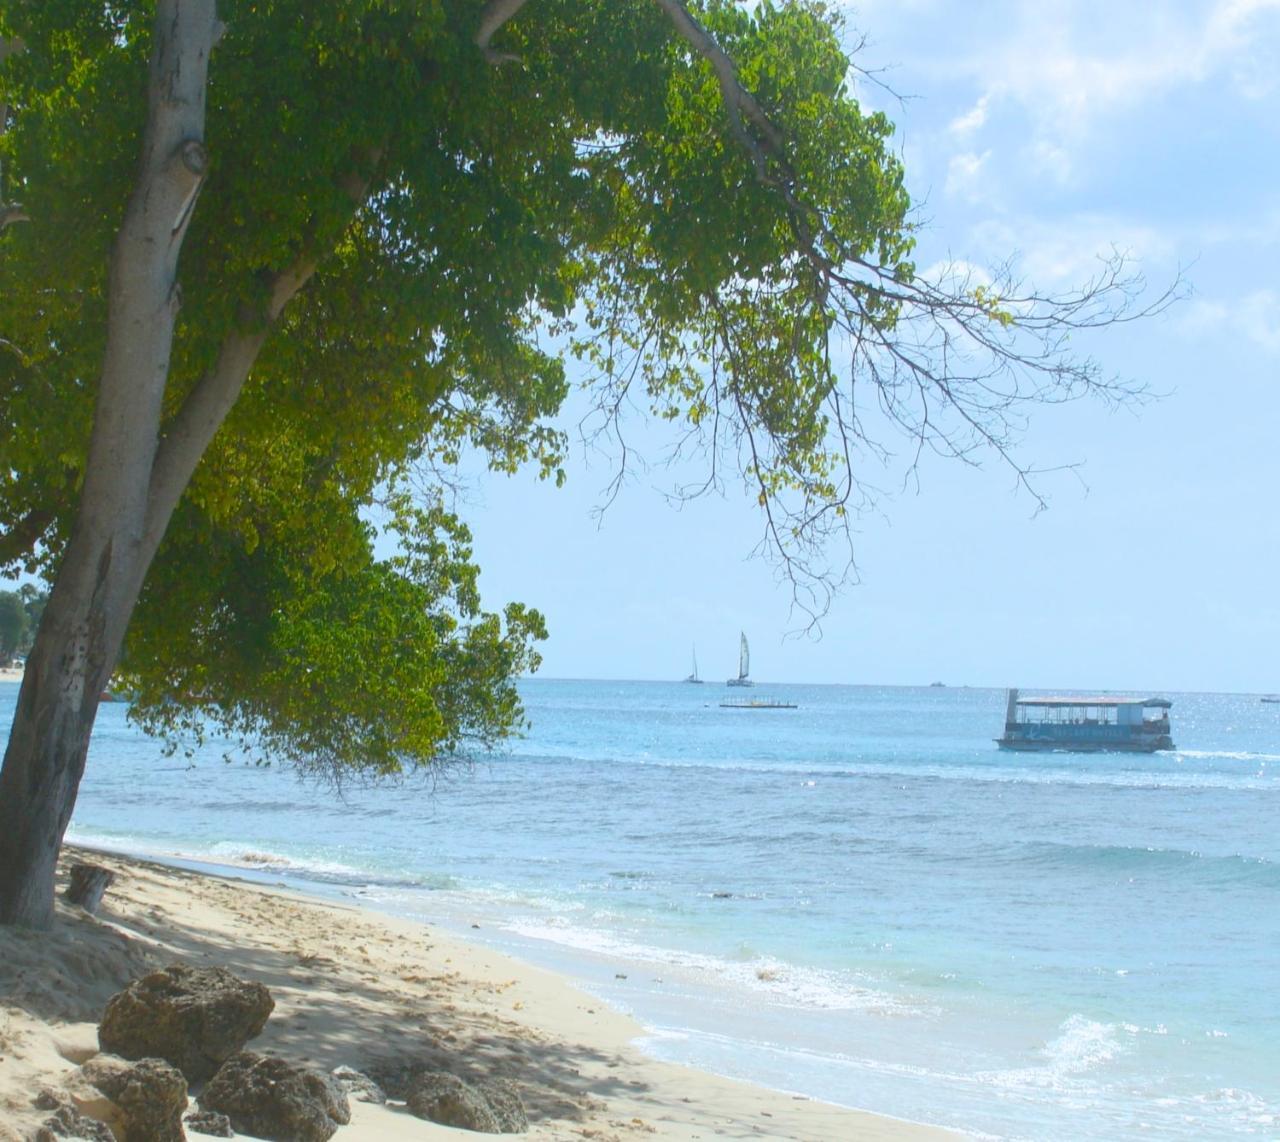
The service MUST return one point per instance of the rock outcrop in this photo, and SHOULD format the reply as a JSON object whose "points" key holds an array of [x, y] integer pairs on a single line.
{"points": [[275, 1099], [209, 1122], [444, 1098], [67, 1124], [150, 1097], [506, 1104], [491, 1107], [359, 1086], [194, 1018]]}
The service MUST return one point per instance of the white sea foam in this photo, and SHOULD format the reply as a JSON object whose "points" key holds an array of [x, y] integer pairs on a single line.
{"points": [[1082, 1045], [125, 844], [782, 983], [1242, 1108], [249, 857], [1168, 776], [1228, 755], [237, 854]]}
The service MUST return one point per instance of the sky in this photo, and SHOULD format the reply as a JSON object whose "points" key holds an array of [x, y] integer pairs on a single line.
{"points": [[1051, 133]]}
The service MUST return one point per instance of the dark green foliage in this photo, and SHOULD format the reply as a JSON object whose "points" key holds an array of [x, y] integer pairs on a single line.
{"points": [[13, 625], [447, 214]]}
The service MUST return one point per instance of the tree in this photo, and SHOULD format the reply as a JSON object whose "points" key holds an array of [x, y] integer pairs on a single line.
{"points": [[33, 601], [278, 260], [13, 625]]}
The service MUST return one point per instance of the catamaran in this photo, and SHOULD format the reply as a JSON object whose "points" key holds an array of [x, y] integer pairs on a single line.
{"points": [[744, 664]]}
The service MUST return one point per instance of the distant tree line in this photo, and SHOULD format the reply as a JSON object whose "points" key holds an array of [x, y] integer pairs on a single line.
{"points": [[20, 613]]}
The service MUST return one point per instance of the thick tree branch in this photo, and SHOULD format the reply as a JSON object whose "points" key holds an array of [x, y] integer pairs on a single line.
{"points": [[738, 100], [190, 432], [495, 14], [765, 144]]}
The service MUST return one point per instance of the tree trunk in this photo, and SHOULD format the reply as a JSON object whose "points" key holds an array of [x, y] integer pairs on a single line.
{"points": [[70, 662], [89, 883], [82, 630]]}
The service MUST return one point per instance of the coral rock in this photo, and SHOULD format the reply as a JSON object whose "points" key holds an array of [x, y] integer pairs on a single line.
{"points": [[68, 1125], [150, 1095], [194, 1018], [507, 1106], [444, 1098], [209, 1122], [275, 1099], [359, 1086]]}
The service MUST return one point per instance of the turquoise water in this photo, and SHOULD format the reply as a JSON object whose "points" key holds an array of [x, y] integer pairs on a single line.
{"points": [[861, 900]]}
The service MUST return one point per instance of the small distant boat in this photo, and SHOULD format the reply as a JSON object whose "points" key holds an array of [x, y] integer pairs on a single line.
{"points": [[693, 677], [938, 684], [744, 664], [1270, 698], [758, 704], [1086, 725]]}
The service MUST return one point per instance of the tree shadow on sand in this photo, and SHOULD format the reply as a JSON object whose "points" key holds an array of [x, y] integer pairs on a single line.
{"points": [[332, 1006]]}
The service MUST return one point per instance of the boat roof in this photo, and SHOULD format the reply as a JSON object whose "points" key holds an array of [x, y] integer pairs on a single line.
{"points": [[1163, 703]]}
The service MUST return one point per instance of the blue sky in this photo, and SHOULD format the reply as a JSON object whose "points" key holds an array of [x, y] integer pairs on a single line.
{"points": [[1051, 132]]}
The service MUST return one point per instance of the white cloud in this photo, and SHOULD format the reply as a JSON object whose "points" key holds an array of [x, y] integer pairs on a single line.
{"points": [[1048, 157], [1070, 66], [1260, 230], [1255, 317], [1051, 63], [973, 119], [1205, 317], [964, 176], [956, 276], [1070, 251], [1259, 319]]}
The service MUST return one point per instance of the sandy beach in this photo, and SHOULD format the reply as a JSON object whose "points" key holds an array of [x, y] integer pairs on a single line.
{"points": [[352, 987]]}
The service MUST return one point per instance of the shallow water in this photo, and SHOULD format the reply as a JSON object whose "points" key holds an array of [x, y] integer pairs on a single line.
{"points": [[862, 899]]}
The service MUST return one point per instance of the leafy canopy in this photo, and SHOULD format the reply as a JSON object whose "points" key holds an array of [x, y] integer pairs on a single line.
{"points": [[708, 235]]}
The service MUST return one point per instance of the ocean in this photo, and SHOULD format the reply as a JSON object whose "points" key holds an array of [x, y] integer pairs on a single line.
{"points": [[860, 900]]}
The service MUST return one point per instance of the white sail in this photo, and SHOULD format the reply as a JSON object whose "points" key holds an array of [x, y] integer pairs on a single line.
{"points": [[744, 663]]}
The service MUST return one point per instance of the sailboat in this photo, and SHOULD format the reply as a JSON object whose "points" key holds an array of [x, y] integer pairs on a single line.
{"points": [[694, 676], [744, 664]]}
